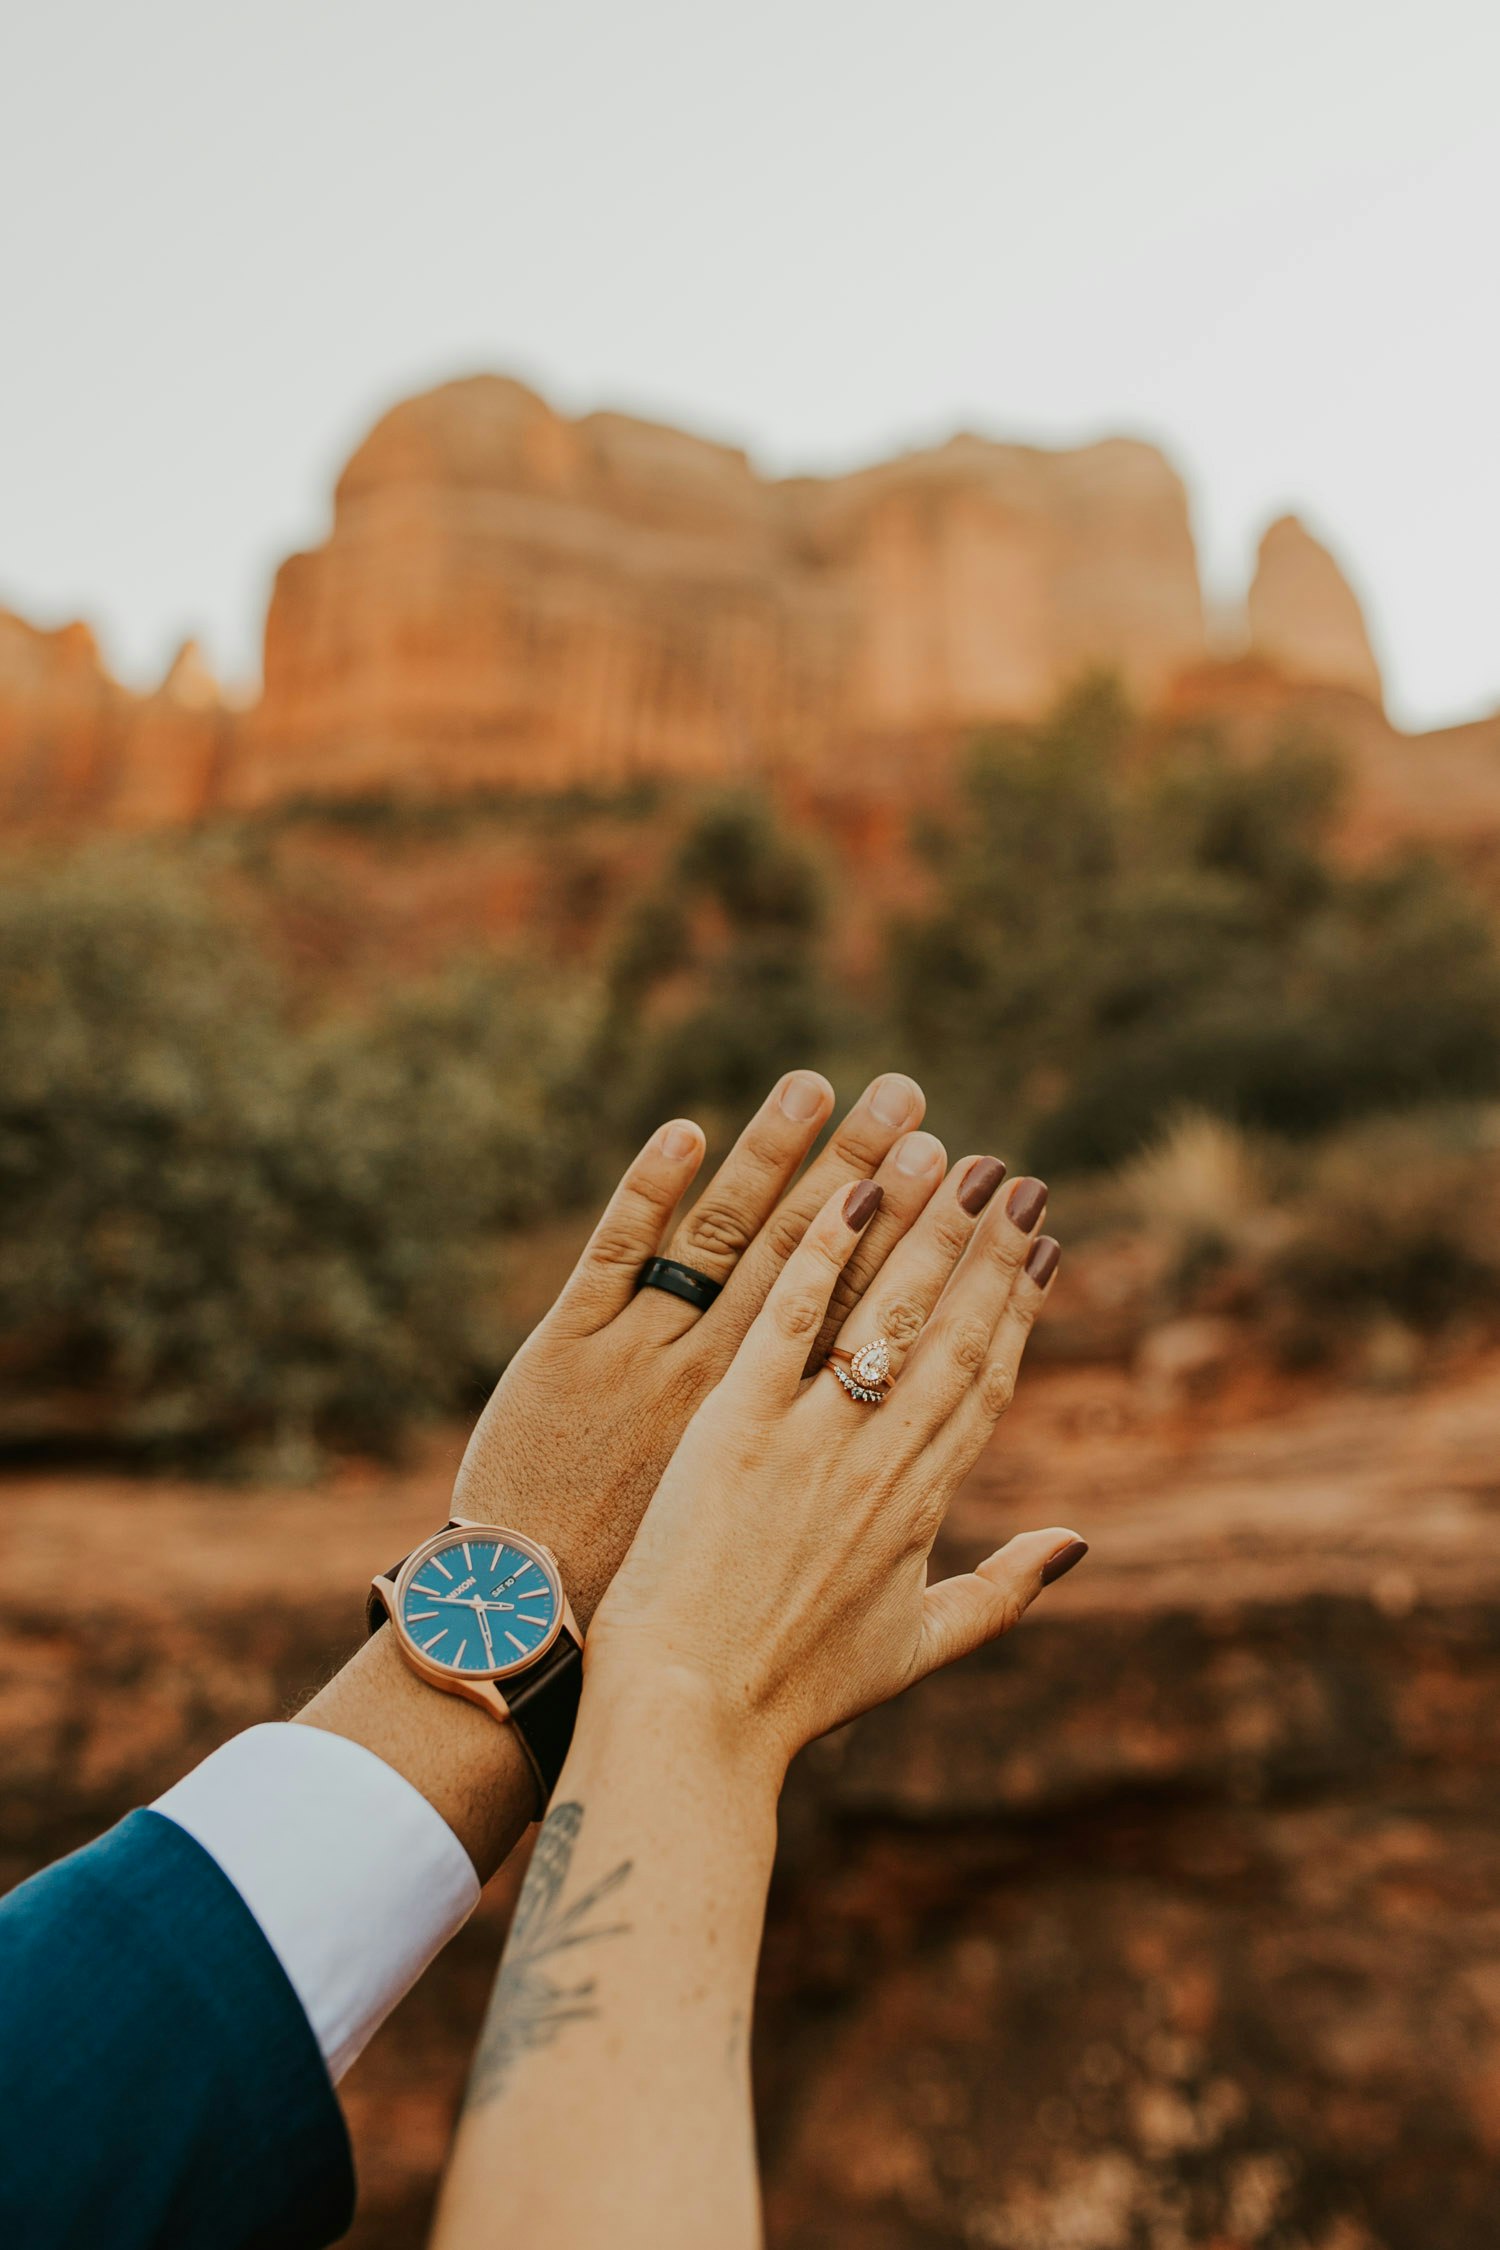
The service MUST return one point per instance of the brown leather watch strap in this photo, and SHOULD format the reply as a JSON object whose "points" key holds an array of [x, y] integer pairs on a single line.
{"points": [[544, 1710]]}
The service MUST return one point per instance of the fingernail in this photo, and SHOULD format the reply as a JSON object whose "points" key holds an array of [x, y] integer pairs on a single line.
{"points": [[979, 1184], [1058, 1565], [677, 1140], [1026, 1203], [803, 1096], [1041, 1259], [861, 1204], [919, 1153], [893, 1100]]}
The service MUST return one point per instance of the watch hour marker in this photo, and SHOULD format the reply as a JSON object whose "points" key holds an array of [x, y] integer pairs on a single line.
{"points": [[530, 1620], [438, 1564], [515, 1639], [429, 1646], [420, 1616], [468, 1558]]}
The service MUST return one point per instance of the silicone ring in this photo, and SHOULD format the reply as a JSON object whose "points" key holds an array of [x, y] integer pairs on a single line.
{"points": [[686, 1282]]}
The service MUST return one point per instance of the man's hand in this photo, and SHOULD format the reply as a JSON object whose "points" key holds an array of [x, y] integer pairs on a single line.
{"points": [[574, 1440]]}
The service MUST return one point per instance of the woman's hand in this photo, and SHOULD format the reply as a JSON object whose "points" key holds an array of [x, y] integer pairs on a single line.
{"points": [[778, 1585], [779, 1579], [578, 1431]]}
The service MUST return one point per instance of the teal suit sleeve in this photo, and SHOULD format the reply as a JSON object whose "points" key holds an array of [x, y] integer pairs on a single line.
{"points": [[159, 2081]]}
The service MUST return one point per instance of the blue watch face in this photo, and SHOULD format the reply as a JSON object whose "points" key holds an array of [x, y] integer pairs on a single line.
{"points": [[479, 1604]]}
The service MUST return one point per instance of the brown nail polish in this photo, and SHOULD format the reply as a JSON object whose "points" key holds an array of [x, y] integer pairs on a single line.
{"points": [[861, 1204], [1041, 1259], [979, 1184], [1026, 1202], [1062, 1562]]}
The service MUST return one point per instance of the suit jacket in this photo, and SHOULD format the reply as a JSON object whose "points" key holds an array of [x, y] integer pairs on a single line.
{"points": [[159, 2081]]}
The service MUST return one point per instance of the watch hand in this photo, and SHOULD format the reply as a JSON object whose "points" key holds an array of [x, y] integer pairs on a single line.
{"points": [[484, 1627], [463, 1601]]}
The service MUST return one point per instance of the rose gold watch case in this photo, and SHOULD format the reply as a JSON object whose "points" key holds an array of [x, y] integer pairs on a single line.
{"points": [[481, 1688]]}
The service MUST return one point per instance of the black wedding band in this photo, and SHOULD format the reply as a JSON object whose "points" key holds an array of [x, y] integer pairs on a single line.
{"points": [[686, 1282]]}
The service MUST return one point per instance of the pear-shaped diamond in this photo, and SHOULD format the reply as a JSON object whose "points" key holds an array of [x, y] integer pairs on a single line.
{"points": [[872, 1362]]}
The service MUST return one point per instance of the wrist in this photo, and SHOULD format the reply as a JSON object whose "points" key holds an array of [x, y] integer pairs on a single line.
{"points": [[670, 1716], [470, 1770]]}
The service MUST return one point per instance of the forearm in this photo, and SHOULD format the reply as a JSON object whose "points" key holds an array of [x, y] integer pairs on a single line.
{"points": [[468, 1767], [611, 2086]]}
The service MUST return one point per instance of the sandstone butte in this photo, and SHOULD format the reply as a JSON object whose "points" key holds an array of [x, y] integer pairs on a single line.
{"points": [[509, 599]]}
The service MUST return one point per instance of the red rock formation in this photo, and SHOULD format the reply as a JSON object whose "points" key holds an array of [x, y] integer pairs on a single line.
{"points": [[62, 720], [1304, 618], [79, 750], [1441, 788], [508, 597]]}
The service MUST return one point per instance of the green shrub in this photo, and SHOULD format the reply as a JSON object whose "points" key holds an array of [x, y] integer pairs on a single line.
{"points": [[1397, 1219], [1118, 937], [716, 983], [225, 1232]]}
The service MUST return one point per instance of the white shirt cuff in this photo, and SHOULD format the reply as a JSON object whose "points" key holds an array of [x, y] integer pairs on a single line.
{"points": [[355, 1879]]}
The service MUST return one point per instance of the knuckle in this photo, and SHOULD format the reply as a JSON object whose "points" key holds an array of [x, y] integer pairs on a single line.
{"points": [[1006, 1614], [691, 1378], [997, 1388], [860, 1142], [617, 1243], [799, 1317], [784, 1231], [951, 1232], [763, 1148], [1005, 1247], [969, 1346], [900, 1319], [719, 1232]]}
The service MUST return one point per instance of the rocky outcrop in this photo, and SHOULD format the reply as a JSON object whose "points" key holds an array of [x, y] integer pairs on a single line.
{"points": [[62, 722], [179, 750], [507, 597], [79, 750], [1304, 618]]}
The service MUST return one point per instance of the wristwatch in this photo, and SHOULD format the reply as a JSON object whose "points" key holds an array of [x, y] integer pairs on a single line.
{"points": [[480, 1612]]}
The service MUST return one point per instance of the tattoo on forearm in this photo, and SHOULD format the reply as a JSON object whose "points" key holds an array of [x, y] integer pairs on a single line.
{"points": [[531, 2002]]}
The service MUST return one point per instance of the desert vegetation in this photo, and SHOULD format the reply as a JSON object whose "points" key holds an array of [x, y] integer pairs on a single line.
{"points": [[252, 1210]]}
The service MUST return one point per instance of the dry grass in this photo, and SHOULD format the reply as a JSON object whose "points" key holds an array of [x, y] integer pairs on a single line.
{"points": [[1202, 1185], [1323, 1251]]}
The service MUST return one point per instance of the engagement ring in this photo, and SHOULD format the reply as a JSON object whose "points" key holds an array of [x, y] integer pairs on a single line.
{"points": [[865, 1374]]}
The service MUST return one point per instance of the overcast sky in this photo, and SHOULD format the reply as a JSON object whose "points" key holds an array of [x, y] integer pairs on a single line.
{"points": [[1266, 235]]}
